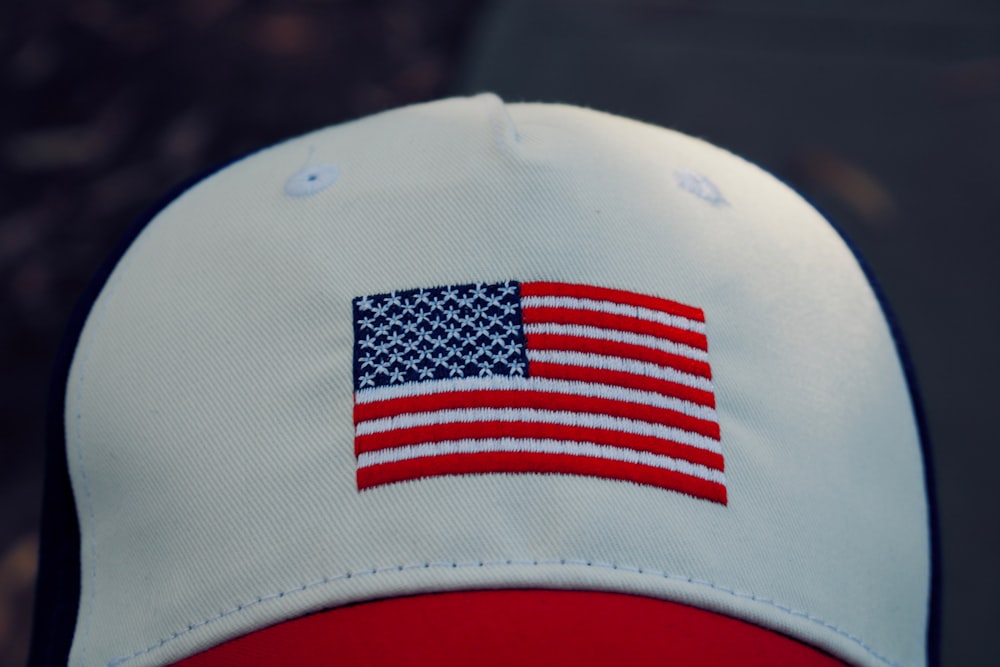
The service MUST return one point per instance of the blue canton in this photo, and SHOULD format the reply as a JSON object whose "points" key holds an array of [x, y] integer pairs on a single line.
{"points": [[457, 331]]}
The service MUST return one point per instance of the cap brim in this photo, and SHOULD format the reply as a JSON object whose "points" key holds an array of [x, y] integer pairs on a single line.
{"points": [[508, 627]]}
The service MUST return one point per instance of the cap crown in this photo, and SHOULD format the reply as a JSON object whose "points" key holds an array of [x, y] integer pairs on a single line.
{"points": [[210, 408]]}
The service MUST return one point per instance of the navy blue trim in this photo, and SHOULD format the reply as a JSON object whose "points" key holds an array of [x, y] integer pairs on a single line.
{"points": [[57, 588], [916, 398]]}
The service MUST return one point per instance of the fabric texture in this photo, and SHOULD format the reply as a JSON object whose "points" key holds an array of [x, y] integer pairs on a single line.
{"points": [[209, 408]]}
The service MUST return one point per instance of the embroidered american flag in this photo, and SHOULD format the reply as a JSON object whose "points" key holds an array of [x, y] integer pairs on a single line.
{"points": [[535, 377]]}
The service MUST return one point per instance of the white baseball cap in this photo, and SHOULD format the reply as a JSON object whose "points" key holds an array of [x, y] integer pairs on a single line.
{"points": [[479, 383]]}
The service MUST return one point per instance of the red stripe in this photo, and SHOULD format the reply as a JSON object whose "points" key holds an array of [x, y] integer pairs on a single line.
{"points": [[615, 295], [496, 429], [521, 462], [542, 400], [544, 369], [616, 349], [594, 318]]}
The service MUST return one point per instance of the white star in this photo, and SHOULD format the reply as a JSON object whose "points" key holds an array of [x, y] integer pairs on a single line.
{"points": [[426, 372], [422, 296], [395, 339], [437, 341], [397, 376], [454, 369], [367, 380], [364, 303], [478, 291], [449, 294]]}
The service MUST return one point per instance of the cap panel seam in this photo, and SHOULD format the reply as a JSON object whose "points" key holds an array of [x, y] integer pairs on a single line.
{"points": [[115, 662], [106, 296]]}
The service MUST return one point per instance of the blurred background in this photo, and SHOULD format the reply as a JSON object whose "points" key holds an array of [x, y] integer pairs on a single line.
{"points": [[885, 113]]}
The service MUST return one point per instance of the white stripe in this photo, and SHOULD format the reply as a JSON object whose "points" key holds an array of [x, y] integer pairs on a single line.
{"points": [[506, 383], [539, 446], [620, 364], [638, 312], [532, 415], [616, 336]]}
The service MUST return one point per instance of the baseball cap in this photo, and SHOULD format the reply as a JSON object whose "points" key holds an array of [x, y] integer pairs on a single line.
{"points": [[470, 382]]}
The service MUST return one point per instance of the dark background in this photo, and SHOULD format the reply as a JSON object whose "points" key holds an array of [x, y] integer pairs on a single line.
{"points": [[883, 112]]}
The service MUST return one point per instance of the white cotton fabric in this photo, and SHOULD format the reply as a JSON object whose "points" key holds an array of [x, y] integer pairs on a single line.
{"points": [[209, 404]]}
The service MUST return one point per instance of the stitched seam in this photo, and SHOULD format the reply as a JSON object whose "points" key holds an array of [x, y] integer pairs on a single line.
{"points": [[88, 503], [500, 120], [503, 563], [107, 295]]}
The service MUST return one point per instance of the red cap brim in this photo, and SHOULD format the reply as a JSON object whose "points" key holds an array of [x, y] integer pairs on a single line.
{"points": [[514, 627]]}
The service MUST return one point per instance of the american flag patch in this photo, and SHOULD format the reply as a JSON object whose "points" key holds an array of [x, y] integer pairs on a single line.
{"points": [[535, 377]]}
